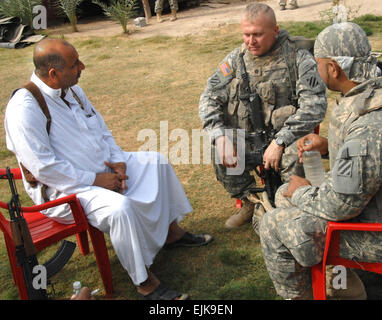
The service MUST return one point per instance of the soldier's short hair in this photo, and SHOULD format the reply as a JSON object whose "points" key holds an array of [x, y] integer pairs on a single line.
{"points": [[255, 9]]}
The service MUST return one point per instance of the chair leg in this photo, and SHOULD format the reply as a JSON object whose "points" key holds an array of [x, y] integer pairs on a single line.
{"points": [[318, 282], [17, 272], [83, 243], [239, 203], [102, 257], [11, 256]]}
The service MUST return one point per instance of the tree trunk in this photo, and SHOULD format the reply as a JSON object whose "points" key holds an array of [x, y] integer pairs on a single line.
{"points": [[146, 8], [73, 22]]}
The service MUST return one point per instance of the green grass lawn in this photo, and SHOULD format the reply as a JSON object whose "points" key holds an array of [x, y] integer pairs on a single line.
{"points": [[136, 84]]}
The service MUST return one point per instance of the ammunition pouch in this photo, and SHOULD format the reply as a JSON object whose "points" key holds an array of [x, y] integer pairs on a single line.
{"points": [[280, 115]]}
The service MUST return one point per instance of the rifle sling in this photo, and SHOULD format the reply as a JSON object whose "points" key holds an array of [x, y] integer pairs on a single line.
{"points": [[250, 100]]}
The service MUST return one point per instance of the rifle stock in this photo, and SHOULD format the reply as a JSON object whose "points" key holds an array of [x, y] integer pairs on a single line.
{"points": [[22, 237]]}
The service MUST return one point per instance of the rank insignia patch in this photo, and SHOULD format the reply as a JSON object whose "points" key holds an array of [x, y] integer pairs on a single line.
{"points": [[226, 70]]}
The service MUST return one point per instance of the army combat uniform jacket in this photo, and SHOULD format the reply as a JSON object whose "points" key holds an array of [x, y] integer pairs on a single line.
{"points": [[351, 191], [285, 77], [290, 88]]}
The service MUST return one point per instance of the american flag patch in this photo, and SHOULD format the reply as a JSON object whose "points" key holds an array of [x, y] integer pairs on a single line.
{"points": [[226, 70]]}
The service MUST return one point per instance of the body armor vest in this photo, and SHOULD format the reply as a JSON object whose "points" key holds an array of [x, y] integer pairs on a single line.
{"points": [[273, 76]]}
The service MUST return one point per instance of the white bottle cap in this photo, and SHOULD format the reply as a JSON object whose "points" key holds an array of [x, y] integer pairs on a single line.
{"points": [[76, 285]]}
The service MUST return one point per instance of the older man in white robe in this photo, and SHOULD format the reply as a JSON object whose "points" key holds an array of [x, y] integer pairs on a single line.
{"points": [[135, 197]]}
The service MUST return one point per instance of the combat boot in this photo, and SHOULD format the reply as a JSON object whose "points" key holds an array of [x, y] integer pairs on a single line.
{"points": [[159, 17], [307, 295], [173, 15], [243, 216], [355, 290], [293, 5]]}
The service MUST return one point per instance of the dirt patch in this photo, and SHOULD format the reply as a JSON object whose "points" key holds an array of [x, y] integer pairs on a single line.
{"points": [[212, 15]]}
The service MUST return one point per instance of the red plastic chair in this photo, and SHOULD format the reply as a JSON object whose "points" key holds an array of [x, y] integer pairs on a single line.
{"points": [[331, 255], [45, 232]]}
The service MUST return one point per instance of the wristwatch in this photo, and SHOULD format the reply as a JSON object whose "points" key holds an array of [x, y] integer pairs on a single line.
{"points": [[280, 142]]}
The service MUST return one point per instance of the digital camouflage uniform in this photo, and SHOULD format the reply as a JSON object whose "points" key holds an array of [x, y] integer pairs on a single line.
{"points": [[292, 3], [159, 5], [293, 102], [339, 41], [293, 235]]}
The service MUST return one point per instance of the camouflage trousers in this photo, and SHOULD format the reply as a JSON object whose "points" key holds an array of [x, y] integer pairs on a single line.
{"points": [[291, 2], [293, 241], [237, 185], [159, 5]]}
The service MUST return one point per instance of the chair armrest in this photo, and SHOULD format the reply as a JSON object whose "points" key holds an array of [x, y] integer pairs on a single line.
{"points": [[49, 204], [15, 171], [75, 206], [354, 226], [3, 205]]}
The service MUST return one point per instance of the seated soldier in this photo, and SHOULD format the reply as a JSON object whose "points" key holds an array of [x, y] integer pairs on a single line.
{"points": [[293, 235]]}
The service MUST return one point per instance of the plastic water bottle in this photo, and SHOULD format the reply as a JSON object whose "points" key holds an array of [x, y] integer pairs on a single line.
{"points": [[76, 288], [314, 170]]}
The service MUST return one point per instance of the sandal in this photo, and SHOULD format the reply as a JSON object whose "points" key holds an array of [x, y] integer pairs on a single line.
{"points": [[190, 240], [162, 292]]}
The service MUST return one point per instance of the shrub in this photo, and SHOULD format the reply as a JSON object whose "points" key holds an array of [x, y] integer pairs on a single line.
{"points": [[69, 7], [119, 10]]}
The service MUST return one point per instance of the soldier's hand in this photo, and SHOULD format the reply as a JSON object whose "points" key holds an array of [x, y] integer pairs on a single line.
{"points": [[272, 156], [316, 143], [226, 151], [295, 182]]}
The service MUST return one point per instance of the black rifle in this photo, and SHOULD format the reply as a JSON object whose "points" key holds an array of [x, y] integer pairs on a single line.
{"points": [[260, 137], [26, 252]]}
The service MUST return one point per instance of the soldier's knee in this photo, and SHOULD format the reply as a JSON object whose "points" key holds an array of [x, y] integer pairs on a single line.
{"points": [[280, 200], [268, 224]]}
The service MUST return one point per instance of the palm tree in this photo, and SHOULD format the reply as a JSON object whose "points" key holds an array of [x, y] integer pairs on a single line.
{"points": [[119, 10], [70, 9]]}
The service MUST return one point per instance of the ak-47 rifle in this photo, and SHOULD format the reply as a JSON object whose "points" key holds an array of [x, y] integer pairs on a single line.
{"points": [[26, 252], [259, 138]]}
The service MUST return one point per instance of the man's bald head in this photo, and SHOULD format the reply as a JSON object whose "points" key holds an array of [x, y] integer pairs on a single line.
{"points": [[48, 54]]}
